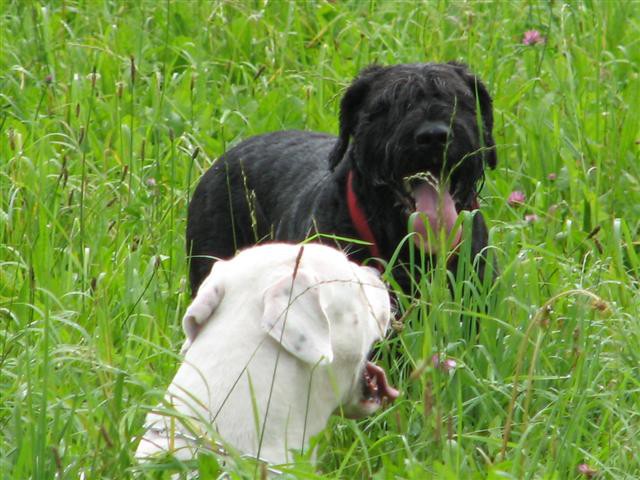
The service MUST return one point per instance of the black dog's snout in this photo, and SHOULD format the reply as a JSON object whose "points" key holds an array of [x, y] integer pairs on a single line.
{"points": [[432, 133]]}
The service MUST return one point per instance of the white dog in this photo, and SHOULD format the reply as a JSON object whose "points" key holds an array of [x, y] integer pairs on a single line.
{"points": [[277, 340]]}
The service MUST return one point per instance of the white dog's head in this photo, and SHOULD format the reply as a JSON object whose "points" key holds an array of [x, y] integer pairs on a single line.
{"points": [[305, 312], [320, 307]]}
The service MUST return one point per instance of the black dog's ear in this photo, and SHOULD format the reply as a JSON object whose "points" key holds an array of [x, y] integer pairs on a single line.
{"points": [[486, 111], [349, 108]]}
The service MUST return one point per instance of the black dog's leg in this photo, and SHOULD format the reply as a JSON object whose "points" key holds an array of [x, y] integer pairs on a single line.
{"points": [[479, 242]]}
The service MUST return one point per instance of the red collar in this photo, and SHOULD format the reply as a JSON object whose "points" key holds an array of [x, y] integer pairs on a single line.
{"points": [[359, 219]]}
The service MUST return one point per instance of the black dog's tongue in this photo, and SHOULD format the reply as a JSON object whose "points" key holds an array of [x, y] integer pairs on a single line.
{"points": [[439, 211], [377, 389]]}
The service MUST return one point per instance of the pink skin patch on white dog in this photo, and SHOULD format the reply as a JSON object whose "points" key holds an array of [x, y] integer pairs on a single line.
{"points": [[437, 207]]}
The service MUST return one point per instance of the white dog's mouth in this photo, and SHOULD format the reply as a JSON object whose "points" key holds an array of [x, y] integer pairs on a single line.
{"points": [[376, 388]]}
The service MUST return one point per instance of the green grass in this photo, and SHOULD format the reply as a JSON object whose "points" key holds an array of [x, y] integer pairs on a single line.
{"points": [[96, 171]]}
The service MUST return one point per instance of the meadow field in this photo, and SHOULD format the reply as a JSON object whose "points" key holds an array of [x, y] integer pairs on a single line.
{"points": [[111, 110]]}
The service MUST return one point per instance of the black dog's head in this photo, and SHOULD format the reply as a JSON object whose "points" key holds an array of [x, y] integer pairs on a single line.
{"points": [[406, 125]]}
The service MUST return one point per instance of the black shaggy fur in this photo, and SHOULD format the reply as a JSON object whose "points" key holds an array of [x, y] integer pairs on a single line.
{"points": [[288, 185]]}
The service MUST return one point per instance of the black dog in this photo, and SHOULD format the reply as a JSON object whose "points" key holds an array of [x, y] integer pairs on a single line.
{"points": [[413, 138]]}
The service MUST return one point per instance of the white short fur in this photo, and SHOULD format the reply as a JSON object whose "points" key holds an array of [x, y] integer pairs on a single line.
{"points": [[252, 324]]}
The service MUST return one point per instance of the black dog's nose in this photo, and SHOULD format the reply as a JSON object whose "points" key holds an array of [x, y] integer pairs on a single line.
{"points": [[432, 133]]}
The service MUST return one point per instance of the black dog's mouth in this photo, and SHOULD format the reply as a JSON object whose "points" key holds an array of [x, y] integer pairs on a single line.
{"points": [[431, 210]]}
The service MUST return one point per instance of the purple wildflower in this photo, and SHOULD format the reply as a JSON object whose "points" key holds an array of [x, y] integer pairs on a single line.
{"points": [[516, 198], [586, 470], [532, 37], [447, 365], [435, 359]]}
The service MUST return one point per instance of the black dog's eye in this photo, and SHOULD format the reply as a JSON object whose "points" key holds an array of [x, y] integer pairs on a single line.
{"points": [[436, 95], [377, 110]]}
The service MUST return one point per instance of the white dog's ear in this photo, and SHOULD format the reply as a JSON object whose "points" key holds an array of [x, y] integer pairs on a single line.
{"points": [[207, 300], [294, 317]]}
